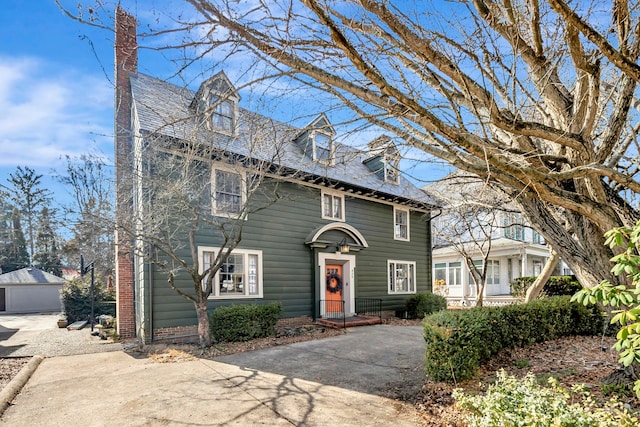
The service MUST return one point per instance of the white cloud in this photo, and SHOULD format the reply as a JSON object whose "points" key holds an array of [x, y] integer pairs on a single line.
{"points": [[50, 112]]}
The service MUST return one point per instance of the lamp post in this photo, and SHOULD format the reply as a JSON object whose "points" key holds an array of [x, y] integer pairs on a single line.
{"points": [[84, 270]]}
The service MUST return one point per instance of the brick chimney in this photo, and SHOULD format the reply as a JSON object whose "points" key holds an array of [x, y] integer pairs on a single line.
{"points": [[126, 62]]}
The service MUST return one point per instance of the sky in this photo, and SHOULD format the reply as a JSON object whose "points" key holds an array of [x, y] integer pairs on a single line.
{"points": [[56, 93]]}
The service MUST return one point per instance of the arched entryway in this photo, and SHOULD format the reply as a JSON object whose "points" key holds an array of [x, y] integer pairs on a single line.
{"points": [[335, 247]]}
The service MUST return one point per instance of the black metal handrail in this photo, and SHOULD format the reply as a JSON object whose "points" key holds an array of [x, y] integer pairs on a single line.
{"points": [[333, 309], [369, 307]]}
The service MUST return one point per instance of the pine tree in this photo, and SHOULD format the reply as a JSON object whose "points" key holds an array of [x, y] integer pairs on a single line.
{"points": [[27, 195], [46, 257], [13, 247]]}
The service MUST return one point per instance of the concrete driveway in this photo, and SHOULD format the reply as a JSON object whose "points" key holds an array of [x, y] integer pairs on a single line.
{"points": [[334, 381], [24, 335], [20, 329]]}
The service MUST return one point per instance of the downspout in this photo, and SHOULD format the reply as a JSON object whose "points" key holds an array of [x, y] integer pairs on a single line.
{"points": [[150, 302]]}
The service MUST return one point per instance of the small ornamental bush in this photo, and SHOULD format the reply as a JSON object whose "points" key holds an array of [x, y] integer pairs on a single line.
{"points": [[424, 303], [244, 322], [523, 402], [457, 341], [556, 285], [76, 299]]}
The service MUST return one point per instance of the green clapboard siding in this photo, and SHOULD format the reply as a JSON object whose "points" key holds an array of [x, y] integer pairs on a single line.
{"points": [[280, 231]]}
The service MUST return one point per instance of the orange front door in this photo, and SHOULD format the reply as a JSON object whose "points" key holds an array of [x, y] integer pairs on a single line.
{"points": [[333, 292]]}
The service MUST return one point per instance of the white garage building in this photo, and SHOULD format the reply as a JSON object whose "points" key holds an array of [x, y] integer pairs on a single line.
{"points": [[30, 290]]}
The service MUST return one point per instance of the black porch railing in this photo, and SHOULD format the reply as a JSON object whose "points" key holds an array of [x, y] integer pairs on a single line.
{"points": [[334, 310], [369, 307]]}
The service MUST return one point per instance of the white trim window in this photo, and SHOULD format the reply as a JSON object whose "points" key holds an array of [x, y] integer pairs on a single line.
{"points": [[440, 272], [228, 192], [400, 224], [391, 168], [332, 206], [240, 276], [455, 274], [493, 271], [223, 116], [402, 277], [323, 149]]}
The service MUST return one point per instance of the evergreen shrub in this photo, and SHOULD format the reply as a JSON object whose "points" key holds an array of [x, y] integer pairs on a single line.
{"points": [[424, 303], [457, 341], [76, 299], [235, 322], [556, 285]]}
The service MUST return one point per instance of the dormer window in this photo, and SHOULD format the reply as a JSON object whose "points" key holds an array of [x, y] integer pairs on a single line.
{"points": [[217, 101], [322, 147], [384, 160], [223, 115], [391, 172], [316, 141]]}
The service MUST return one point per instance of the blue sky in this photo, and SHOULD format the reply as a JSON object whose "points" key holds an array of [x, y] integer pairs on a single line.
{"points": [[55, 97], [56, 93]]}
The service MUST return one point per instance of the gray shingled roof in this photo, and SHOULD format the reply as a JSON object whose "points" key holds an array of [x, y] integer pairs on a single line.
{"points": [[30, 276], [163, 109]]}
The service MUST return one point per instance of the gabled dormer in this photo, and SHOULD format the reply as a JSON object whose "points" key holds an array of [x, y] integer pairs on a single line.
{"points": [[317, 141], [384, 159], [217, 101]]}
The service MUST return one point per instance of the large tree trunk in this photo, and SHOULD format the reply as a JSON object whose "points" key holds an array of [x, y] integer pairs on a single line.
{"points": [[580, 244], [204, 331], [534, 290]]}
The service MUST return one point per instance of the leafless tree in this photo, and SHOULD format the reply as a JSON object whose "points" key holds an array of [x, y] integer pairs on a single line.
{"points": [[177, 204], [535, 97], [469, 221]]}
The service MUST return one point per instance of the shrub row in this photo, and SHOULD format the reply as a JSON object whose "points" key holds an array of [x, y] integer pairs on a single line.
{"points": [[556, 285], [458, 341], [244, 322], [424, 303]]}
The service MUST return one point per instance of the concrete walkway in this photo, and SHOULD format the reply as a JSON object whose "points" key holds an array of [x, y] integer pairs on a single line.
{"points": [[316, 383]]}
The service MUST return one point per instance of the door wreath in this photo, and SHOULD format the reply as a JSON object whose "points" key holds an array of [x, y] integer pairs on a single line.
{"points": [[334, 283]]}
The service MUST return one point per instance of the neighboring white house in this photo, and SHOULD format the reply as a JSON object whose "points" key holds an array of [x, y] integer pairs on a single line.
{"points": [[478, 223], [30, 290]]}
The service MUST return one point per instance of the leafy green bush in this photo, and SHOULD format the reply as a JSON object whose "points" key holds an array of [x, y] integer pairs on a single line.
{"points": [[625, 299], [457, 341], [244, 322], [561, 285], [424, 303], [523, 402], [76, 299], [519, 285], [556, 285]]}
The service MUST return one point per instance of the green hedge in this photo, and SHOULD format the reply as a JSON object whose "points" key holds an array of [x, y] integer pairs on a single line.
{"points": [[556, 285], [244, 322], [424, 303], [458, 341]]}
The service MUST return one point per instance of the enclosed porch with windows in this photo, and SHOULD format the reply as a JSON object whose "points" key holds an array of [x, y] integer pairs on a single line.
{"points": [[453, 279]]}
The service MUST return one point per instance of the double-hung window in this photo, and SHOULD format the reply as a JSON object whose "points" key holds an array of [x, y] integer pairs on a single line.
{"points": [[228, 192], [223, 115], [391, 171], [333, 206], [239, 276], [402, 277], [401, 224]]}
